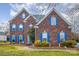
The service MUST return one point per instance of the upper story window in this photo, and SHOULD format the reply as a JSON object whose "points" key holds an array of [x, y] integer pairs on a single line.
{"points": [[13, 27], [21, 27], [53, 20], [23, 15]]}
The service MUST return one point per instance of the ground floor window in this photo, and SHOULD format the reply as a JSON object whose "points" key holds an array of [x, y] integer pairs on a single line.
{"points": [[62, 36], [44, 35]]}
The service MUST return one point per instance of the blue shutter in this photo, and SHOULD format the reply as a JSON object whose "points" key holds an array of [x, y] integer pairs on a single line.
{"points": [[41, 37], [18, 39], [23, 39], [10, 27], [14, 38], [56, 21], [58, 37], [65, 36], [48, 37], [50, 20]]}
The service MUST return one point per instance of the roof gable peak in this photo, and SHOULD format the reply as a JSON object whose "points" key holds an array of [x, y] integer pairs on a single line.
{"points": [[57, 12], [20, 11]]}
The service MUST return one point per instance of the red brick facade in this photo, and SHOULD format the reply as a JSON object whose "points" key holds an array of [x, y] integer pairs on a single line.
{"points": [[18, 20], [28, 21], [45, 26]]}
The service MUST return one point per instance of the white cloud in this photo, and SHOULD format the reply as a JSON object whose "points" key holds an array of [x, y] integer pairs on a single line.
{"points": [[32, 7], [12, 13]]}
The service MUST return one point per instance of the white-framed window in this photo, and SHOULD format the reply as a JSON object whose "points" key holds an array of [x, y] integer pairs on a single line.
{"points": [[20, 37], [53, 20], [21, 27], [23, 15], [44, 35], [62, 36], [13, 27]]}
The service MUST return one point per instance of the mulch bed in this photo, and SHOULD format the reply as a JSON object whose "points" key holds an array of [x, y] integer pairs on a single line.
{"points": [[54, 48]]}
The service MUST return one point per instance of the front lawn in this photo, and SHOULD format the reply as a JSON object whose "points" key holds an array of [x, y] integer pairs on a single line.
{"points": [[20, 51]]}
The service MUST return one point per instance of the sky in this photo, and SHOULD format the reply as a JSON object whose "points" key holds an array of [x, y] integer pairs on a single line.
{"points": [[4, 12], [8, 11]]}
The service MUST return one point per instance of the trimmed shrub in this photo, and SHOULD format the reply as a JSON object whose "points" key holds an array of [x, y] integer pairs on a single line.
{"points": [[69, 43], [45, 43], [37, 43]]}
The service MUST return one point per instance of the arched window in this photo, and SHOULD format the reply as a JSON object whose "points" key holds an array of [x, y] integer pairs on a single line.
{"points": [[23, 15], [21, 27], [13, 27]]}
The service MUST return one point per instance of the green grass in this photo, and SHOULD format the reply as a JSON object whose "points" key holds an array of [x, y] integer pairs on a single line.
{"points": [[2, 42], [14, 51]]}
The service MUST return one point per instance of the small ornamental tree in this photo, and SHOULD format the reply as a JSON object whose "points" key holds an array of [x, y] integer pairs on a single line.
{"points": [[31, 34]]}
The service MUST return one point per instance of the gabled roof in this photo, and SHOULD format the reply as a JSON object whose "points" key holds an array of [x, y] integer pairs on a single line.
{"points": [[28, 17], [22, 9], [38, 17], [53, 9]]}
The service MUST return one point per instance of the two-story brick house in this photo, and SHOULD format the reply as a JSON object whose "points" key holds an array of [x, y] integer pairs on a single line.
{"points": [[53, 27]]}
